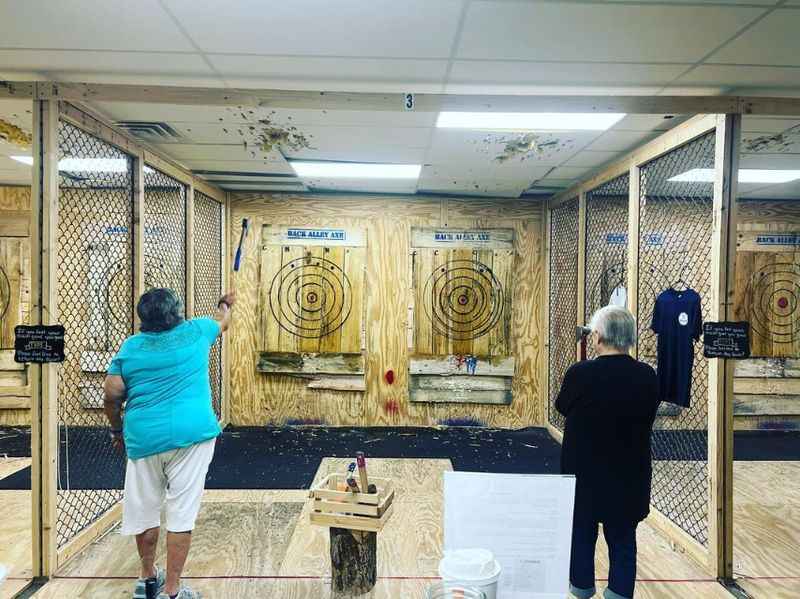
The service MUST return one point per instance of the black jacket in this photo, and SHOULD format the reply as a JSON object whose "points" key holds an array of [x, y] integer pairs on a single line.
{"points": [[610, 404]]}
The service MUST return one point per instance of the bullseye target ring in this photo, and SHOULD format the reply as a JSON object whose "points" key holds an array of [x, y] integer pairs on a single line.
{"points": [[774, 297], [5, 293], [310, 297], [466, 299]]}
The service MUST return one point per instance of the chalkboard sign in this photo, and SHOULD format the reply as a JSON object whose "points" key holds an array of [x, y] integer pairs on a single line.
{"points": [[726, 339], [39, 344]]}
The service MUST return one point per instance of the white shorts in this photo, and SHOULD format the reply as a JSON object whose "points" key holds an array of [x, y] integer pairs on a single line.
{"points": [[177, 476]]}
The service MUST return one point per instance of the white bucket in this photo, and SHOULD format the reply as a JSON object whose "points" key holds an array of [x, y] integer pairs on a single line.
{"points": [[473, 567]]}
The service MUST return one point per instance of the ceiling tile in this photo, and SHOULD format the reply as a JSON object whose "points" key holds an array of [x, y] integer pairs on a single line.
{"points": [[240, 166], [762, 124], [742, 77], [592, 159], [414, 28], [324, 73], [648, 122], [570, 172], [110, 62], [481, 148], [597, 32], [362, 185], [91, 25], [772, 41], [478, 187], [217, 152], [621, 141], [521, 73]]}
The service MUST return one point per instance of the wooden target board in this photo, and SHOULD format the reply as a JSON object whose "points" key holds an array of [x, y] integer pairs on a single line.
{"points": [[311, 304], [462, 285], [768, 297]]}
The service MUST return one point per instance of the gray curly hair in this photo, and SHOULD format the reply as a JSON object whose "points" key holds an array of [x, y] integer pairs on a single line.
{"points": [[159, 309]]}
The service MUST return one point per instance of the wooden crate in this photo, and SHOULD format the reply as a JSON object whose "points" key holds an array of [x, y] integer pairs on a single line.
{"points": [[355, 511]]}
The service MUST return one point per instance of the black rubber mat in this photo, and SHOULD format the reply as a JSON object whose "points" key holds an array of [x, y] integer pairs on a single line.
{"points": [[288, 458]]}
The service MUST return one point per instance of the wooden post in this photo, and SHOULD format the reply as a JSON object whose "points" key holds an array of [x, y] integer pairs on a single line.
{"points": [[581, 315], [720, 371], [138, 235], [633, 247], [189, 255], [44, 378], [353, 561], [226, 258], [546, 374]]}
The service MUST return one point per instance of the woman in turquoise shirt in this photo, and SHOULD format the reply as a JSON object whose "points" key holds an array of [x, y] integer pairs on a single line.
{"points": [[168, 430]]}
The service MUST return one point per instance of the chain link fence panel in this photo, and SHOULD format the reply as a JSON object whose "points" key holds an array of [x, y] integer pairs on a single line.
{"points": [[164, 232], [606, 253], [676, 226], [95, 304], [208, 269], [563, 301]]}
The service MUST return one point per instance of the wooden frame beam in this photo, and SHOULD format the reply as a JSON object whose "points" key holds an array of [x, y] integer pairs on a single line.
{"points": [[581, 286], [226, 286], [632, 283], [138, 236], [44, 310], [189, 251], [636, 104], [545, 401], [721, 371]]}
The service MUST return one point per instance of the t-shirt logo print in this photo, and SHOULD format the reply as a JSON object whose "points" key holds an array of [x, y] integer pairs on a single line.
{"points": [[683, 319]]}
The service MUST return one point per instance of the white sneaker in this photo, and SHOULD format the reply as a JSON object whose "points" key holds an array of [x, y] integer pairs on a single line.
{"points": [[140, 592], [184, 593]]}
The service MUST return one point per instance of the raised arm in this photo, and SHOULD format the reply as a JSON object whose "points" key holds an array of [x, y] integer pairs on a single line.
{"points": [[223, 313]]}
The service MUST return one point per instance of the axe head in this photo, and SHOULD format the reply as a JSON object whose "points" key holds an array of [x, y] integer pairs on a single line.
{"points": [[581, 332]]}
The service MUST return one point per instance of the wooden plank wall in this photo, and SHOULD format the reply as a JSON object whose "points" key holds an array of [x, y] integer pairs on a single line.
{"points": [[766, 389], [258, 400], [15, 261]]}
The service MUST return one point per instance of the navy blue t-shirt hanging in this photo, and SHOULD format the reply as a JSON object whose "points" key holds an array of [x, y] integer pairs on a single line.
{"points": [[678, 322]]}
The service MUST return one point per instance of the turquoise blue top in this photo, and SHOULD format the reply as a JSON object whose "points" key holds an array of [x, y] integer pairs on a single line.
{"points": [[167, 382]]}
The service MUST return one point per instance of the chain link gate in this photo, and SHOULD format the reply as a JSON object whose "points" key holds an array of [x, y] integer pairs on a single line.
{"points": [[563, 301], [95, 303], [208, 260], [676, 227], [606, 253], [164, 233]]}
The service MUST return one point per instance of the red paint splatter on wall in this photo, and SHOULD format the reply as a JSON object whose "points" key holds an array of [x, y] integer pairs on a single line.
{"points": [[391, 406], [389, 376]]}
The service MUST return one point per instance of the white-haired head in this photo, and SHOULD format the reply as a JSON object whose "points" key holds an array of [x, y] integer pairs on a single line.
{"points": [[615, 327]]}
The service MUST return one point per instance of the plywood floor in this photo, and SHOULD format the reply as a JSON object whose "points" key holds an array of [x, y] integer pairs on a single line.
{"points": [[766, 530], [259, 544], [255, 544], [15, 530]]}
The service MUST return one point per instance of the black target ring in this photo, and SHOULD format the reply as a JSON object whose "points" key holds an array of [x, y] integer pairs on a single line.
{"points": [[5, 293], [467, 300], [773, 298], [310, 298]]}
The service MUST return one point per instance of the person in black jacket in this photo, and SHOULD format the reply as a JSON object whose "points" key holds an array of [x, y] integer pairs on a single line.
{"points": [[610, 404]]}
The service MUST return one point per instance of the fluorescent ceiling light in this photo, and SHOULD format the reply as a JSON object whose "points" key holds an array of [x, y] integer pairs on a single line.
{"points": [[524, 121], [746, 175], [87, 165], [355, 170]]}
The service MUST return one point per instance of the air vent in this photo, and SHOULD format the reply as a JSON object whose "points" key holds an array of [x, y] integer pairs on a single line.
{"points": [[149, 130]]}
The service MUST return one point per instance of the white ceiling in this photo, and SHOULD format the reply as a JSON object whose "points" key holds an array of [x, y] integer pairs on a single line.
{"points": [[447, 46], [491, 46]]}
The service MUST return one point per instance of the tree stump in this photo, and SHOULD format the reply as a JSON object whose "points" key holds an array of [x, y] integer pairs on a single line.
{"points": [[353, 561]]}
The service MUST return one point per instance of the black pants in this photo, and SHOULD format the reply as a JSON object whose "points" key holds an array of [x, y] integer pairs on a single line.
{"points": [[621, 541]]}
